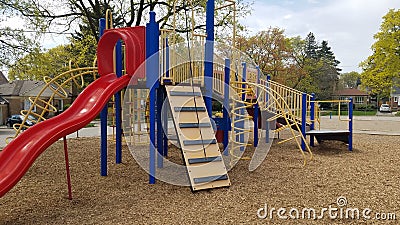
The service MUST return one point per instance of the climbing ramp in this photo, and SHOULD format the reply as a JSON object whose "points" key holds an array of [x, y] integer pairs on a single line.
{"points": [[195, 133]]}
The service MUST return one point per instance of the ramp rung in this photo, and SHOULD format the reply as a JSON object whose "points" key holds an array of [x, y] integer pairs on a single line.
{"points": [[184, 93], [210, 179], [199, 142], [190, 109], [204, 160], [194, 125]]}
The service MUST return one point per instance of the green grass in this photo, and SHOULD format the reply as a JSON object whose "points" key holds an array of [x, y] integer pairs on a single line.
{"points": [[345, 113], [90, 125]]}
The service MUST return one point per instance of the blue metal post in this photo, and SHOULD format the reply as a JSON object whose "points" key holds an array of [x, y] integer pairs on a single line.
{"points": [[226, 107], [165, 125], [351, 124], [103, 120], [152, 82], [303, 119], [266, 119], [312, 118], [118, 110], [255, 144], [256, 108], [160, 132], [209, 56]]}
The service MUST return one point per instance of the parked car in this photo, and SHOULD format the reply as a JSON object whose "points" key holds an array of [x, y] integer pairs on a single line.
{"points": [[18, 119], [385, 108]]}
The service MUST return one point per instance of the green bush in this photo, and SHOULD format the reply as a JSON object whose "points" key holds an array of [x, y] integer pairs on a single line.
{"points": [[398, 113], [325, 105], [342, 107], [216, 106], [365, 107]]}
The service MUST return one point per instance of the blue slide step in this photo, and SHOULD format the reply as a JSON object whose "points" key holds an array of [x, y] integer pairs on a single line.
{"points": [[210, 179], [200, 142], [190, 109], [204, 160]]}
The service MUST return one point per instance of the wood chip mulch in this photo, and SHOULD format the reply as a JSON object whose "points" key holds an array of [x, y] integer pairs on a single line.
{"points": [[368, 177]]}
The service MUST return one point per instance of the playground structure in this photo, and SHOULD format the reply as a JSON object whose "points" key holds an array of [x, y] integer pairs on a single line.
{"points": [[185, 77]]}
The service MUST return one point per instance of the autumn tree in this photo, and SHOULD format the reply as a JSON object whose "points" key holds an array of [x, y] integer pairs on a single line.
{"points": [[275, 54], [381, 70]]}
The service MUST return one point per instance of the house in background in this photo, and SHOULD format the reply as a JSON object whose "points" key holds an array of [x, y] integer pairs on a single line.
{"points": [[395, 98], [3, 102], [16, 97], [359, 97]]}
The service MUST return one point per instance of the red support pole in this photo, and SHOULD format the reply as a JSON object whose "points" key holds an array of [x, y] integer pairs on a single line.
{"points": [[67, 168]]}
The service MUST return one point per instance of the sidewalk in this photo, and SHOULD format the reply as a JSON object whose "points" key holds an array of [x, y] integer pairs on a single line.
{"points": [[379, 125], [84, 132]]}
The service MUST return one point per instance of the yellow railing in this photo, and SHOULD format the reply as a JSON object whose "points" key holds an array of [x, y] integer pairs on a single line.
{"points": [[136, 119], [58, 87], [218, 79], [269, 99], [239, 119]]}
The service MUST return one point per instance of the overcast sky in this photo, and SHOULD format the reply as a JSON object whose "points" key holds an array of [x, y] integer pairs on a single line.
{"points": [[347, 25]]}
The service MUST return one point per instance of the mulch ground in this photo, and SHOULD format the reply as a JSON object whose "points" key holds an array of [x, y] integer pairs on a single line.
{"points": [[368, 177]]}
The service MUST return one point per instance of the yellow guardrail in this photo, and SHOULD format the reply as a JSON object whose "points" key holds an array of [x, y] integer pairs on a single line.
{"points": [[58, 87], [239, 118]]}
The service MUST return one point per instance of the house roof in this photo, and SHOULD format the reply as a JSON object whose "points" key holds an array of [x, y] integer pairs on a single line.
{"points": [[350, 92], [396, 91], [3, 101], [19, 87], [3, 79]]}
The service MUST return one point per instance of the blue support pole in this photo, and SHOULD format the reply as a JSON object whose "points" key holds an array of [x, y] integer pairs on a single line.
{"points": [[103, 120], [152, 82], [255, 131], [118, 110], [266, 120], [351, 124], [160, 132], [152, 130], [312, 118], [226, 107], [165, 125], [209, 56], [303, 119]]}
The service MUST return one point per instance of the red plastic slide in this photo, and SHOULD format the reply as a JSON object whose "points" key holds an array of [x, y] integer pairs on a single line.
{"points": [[18, 156]]}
